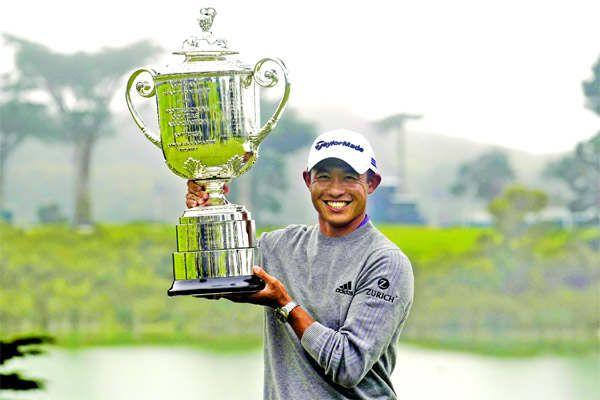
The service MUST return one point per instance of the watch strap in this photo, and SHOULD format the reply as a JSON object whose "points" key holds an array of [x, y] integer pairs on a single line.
{"points": [[289, 307], [282, 313]]}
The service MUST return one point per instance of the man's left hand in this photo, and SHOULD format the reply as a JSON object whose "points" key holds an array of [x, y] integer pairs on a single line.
{"points": [[273, 295]]}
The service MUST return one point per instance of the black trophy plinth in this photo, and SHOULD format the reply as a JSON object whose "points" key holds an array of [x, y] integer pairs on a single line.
{"points": [[217, 286]]}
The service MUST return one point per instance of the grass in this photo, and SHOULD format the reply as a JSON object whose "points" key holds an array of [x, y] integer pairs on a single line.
{"points": [[456, 273], [509, 346], [232, 344], [208, 343], [424, 245]]}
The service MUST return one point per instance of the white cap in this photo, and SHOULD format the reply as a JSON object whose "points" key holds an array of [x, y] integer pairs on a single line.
{"points": [[348, 146]]}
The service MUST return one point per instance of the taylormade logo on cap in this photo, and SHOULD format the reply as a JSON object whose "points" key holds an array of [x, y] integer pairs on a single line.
{"points": [[322, 144], [348, 146]]}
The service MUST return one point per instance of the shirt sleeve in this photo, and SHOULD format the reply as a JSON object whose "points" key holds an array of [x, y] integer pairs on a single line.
{"points": [[380, 305]]}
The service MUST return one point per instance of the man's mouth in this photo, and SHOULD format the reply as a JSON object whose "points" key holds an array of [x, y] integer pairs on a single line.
{"points": [[337, 205]]}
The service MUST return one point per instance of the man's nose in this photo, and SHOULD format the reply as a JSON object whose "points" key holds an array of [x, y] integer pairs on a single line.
{"points": [[336, 188]]}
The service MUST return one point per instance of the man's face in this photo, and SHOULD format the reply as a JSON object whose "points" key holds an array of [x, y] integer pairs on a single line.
{"points": [[339, 194]]}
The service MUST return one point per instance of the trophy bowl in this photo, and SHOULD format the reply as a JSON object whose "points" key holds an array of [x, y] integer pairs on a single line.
{"points": [[208, 116]]}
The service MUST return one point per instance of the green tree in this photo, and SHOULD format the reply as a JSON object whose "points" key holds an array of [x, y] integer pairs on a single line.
{"points": [[486, 176], [267, 182], [18, 121], [580, 171], [79, 87], [510, 208]]}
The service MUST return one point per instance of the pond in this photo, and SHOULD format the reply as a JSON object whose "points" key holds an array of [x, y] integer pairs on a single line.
{"points": [[153, 373]]}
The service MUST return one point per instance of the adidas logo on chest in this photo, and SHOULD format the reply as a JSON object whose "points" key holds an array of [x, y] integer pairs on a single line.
{"points": [[346, 288]]}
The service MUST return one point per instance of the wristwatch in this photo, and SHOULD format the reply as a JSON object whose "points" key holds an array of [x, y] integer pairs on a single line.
{"points": [[282, 313]]}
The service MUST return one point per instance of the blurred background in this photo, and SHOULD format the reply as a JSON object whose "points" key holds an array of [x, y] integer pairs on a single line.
{"points": [[485, 117]]}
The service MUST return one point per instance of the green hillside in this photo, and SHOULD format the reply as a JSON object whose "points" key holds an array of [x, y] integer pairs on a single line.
{"points": [[471, 291]]}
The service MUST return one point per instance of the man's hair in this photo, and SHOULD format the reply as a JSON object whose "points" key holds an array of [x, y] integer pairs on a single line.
{"points": [[370, 174]]}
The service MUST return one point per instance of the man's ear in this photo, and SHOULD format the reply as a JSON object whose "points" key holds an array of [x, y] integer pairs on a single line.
{"points": [[374, 182], [306, 176]]}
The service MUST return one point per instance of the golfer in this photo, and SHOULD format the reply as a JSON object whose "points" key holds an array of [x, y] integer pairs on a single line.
{"points": [[338, 293]]}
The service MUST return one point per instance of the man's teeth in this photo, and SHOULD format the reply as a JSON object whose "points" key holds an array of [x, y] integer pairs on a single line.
{"points": [[336, 204]]}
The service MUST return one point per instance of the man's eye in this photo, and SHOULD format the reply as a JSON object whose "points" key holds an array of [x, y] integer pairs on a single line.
{"points": [[350, 178]]}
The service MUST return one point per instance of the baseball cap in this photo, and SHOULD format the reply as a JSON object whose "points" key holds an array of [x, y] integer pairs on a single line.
{"points": [[348, 146]]}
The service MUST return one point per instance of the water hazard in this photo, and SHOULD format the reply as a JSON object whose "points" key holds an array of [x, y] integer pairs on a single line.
{"points": [[158, 373]]}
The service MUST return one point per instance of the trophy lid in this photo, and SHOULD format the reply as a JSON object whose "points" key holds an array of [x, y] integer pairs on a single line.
{"points": [[205, 53], [205, 45]]}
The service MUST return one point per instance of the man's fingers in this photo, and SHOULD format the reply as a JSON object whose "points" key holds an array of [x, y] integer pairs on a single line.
{"points": [[193, 196], [193, 200], [258, 271], [193, 187], [191, 203], [197, 194]]}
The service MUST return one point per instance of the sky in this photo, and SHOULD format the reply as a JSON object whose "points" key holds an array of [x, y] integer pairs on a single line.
{"points": [[502, 72]]}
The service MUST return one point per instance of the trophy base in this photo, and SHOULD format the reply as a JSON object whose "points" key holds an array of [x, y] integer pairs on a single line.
{"points": [[217, 286]]}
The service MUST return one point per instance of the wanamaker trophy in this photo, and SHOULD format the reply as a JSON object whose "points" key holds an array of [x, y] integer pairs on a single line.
{"points": [[208, 114]]}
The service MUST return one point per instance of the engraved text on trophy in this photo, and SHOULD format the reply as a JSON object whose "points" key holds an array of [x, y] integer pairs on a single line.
{"points": [[204, 114]]}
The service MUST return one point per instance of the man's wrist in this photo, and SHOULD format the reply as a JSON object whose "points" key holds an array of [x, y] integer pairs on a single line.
{"points": [[282, 313], [283, 301]]}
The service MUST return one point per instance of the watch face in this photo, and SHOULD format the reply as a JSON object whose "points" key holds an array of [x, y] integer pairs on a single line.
{"points": [[281, 315]]}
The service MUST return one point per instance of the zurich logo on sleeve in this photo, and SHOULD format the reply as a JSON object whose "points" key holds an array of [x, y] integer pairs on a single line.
{"points": [[382, 284]]}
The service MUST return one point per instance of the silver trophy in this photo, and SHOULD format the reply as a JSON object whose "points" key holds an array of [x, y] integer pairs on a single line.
{"points": [[208, 113]]}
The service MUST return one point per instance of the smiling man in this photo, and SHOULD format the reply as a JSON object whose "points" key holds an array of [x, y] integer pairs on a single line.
{"points": [[337, 294]]}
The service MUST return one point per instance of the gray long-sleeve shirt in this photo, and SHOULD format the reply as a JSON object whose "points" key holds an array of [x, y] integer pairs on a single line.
{"points": [[359, 289]]}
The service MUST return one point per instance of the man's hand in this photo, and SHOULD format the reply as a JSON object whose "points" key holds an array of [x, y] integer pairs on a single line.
{"points": [[197, 196], [273, 295]]}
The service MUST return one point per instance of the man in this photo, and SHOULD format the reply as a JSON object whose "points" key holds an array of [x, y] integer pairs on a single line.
{"points": [[341, 290]]}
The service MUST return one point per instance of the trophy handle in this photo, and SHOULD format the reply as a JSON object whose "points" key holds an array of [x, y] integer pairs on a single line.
{"points": [[269, 79], [144, 89]]}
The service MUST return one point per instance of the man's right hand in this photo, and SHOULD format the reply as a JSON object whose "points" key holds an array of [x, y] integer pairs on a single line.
{"points": [[197, 196]]}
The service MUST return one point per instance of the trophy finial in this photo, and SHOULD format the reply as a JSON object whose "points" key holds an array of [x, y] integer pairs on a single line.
{"points": [[205, 44], [206, 18]]}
